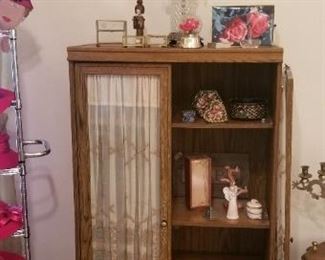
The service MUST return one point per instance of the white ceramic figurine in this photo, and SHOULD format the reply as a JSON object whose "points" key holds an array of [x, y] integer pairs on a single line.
{"points": [[232, 192]]}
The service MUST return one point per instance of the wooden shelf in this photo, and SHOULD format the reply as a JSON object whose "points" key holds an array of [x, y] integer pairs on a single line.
{"points": [[206, 256], [117, 53], [235, 124], [181, 216]]}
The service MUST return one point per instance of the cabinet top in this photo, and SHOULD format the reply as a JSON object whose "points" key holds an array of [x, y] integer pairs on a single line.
{"points": [[117, 53]]}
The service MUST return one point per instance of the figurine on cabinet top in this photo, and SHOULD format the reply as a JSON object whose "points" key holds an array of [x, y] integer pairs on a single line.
{"points": [[232, 192], [138, 19]]}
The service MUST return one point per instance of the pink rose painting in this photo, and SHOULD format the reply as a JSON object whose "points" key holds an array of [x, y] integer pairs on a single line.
{"points": [[237, 23], [236, 31]]}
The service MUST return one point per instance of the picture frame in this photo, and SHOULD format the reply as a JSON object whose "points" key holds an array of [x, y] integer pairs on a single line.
{"points": [[233, 24], [218, 163]]}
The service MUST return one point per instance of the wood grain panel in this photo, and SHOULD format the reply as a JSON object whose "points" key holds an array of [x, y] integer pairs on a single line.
{"points": [[205, 256], [289, 87], [240, 124], [225, 241], [173, 55]]}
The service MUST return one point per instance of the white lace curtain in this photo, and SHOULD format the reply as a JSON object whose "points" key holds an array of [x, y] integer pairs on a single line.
{"points": [[125, 166]]}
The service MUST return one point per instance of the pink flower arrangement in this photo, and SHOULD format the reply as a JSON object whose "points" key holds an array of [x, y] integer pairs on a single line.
{"points": [[190, 25], [253, 25]]}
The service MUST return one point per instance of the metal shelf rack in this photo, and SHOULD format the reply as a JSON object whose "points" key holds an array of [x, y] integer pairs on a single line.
{"points": [[21, 143]]}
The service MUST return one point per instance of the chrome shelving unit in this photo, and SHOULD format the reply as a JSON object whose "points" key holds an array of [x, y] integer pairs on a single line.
{"points": [[21, 143]]}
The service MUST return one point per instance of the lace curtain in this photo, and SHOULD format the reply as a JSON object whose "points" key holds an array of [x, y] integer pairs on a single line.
{"points": [[125, 166]]}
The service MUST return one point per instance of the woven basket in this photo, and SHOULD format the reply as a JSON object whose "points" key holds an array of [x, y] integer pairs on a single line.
{"points": [[247, 109]]}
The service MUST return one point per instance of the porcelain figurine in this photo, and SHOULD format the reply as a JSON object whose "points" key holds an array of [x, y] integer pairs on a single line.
{"points": [[254, 209], [232, 192]]}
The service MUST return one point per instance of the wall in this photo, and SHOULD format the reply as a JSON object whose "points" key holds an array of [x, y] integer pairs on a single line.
{"points": [[56, 24]]}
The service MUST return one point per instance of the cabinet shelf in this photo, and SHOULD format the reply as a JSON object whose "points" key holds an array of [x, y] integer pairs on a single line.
{"points": [[181, 216], [211, 256], [231, 124]]}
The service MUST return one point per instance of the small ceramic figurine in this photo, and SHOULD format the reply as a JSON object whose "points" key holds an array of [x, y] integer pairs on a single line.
{"points": [[138, 19], [12, 13], [232, 192], [254, 209]]}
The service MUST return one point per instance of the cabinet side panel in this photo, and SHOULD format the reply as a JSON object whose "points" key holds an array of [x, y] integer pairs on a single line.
{"points": [[74, 153], [275, 164], [81, 166]]}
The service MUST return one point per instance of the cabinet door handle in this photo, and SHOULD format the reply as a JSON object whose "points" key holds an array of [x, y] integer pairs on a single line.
{"points": [[45, 151], [164, 223]]}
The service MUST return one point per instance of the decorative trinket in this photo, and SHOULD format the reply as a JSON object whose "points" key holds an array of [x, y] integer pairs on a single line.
{"points": [[114, 30], [210, 106], [190, 28], [138, 19], [247, 109], [232, 192], [188, 116], [254, 209]]}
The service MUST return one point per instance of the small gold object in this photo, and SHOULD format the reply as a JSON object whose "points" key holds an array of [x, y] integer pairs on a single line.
{"points": [[216, 45], [156, 40], [110, 31], [133, 41], [315, 186], [315, 245], [190, 41]]}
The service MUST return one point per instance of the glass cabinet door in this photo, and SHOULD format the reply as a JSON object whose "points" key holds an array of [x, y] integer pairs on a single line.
{"points": [[122, 177]]}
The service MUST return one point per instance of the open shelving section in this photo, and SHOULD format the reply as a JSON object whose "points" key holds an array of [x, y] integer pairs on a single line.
{"points": [[194, 235]]}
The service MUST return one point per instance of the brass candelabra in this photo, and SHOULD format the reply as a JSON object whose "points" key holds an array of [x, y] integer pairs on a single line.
{"points": [[316, 187]]}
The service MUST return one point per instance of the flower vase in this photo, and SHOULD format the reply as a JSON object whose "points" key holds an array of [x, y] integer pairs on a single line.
{"points": [[250, 43], [190, 40]]}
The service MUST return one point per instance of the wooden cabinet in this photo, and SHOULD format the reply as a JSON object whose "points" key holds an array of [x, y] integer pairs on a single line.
{"points": [[178, 74]]}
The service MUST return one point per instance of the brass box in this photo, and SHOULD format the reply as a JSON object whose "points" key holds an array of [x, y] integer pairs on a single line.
{"points": [[198, 181]]}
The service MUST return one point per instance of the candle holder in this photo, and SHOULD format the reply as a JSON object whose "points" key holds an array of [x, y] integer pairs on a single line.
{"points": [[316, 187]]}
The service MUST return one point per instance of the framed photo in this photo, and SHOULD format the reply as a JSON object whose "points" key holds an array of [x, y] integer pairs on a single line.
{"points": [[218, 163], [234, 24]]}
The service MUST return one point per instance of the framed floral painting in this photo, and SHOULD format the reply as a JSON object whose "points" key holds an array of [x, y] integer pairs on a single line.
{"points": [[234, 24]]}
